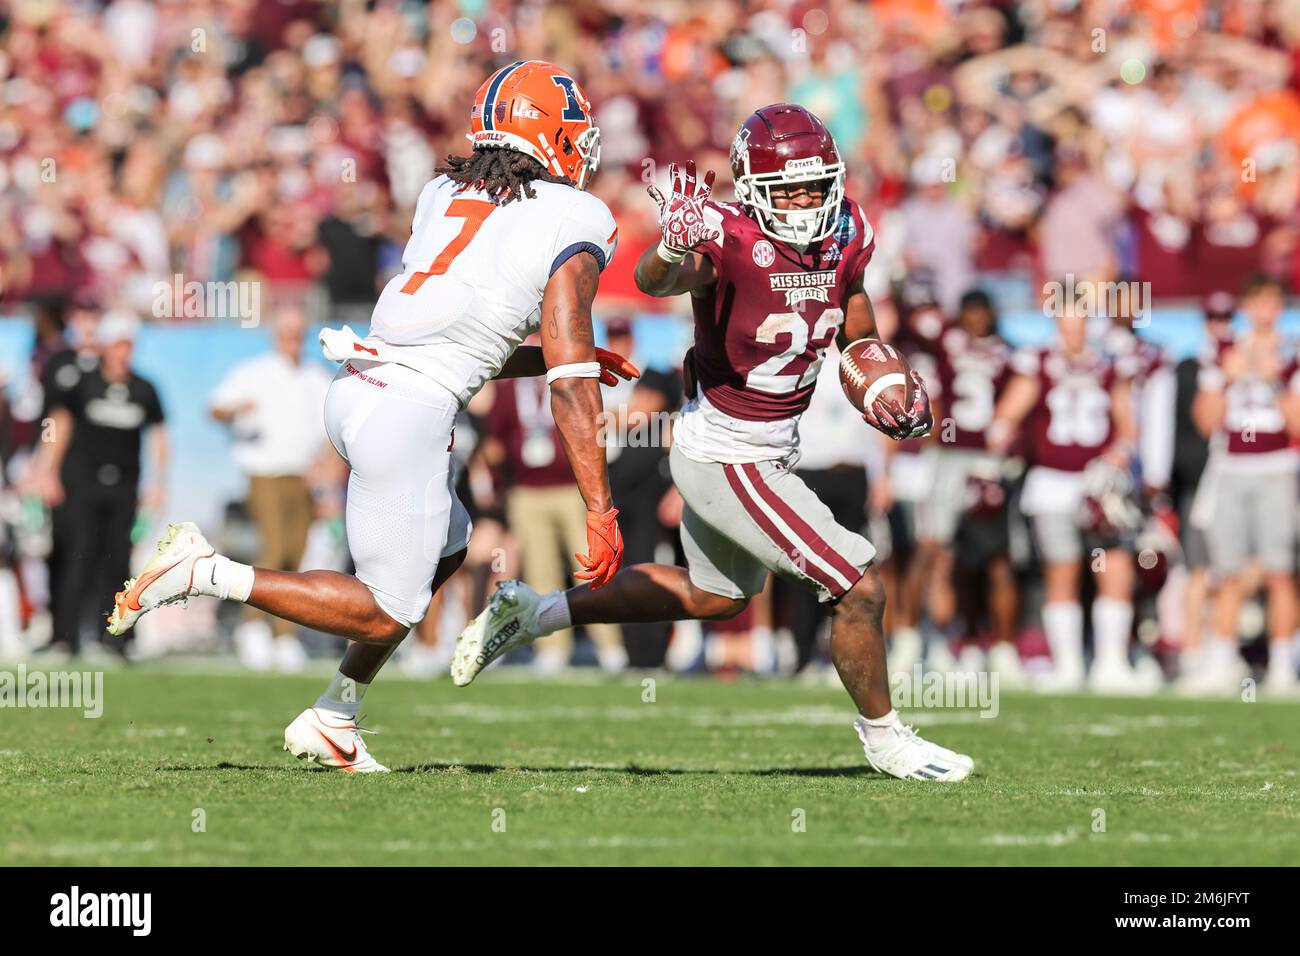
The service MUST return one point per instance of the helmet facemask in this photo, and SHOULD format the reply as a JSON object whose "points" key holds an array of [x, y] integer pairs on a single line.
{"points": [[588, 147], [800, 227]]}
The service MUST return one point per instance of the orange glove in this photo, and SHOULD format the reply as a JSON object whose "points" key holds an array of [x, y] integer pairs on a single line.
{"points": [[613, 367], [604, 549]]}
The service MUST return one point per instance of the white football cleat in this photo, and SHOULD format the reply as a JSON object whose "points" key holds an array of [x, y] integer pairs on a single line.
{"points": [[1004, 660], [939, 657], [166, 579], [509, 621], [1221, 674], [255, 645], [1117, 678], [1059, 680], [1280, 677], [290, 655], [331, 740], [1214, 679], [906, 754]]}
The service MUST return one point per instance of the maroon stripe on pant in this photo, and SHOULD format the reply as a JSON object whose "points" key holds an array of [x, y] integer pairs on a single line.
{"points": [[800, 527], [792, 551]]}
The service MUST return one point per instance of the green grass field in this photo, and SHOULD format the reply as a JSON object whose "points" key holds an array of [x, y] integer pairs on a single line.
{"points": [[585, 772]]}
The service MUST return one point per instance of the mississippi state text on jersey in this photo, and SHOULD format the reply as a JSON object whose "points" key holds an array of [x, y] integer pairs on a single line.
{"points": [[761, 332]]}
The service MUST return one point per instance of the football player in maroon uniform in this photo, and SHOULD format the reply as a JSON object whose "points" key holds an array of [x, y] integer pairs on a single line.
{"points": [[1076, 406], [905, 484], [773, 279], [1248, 404], [973, 367], [1153, 389]]}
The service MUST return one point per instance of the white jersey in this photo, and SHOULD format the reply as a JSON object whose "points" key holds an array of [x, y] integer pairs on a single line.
{"points": [[473, 275]]}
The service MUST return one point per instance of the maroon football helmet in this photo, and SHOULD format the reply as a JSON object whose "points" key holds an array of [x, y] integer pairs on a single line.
{"points": [[985, 498], [1109, 506], [783, 145]]}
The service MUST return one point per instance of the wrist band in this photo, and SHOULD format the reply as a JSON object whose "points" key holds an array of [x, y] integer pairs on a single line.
{"points": [[669, 255], [573, 370]]}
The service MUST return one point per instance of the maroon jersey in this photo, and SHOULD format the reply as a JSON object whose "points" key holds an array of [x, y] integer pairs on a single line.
{"points": [[1253, 421], [1072, 423], [761, 330], [918, 339], [1135, 357], [521, 419], [970, 375]]}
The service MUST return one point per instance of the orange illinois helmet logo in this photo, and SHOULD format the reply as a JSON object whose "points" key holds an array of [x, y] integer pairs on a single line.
{"points": [[538, 109]]}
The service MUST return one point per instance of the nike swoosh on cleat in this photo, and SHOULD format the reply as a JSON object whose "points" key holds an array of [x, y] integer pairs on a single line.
{"points": [[142, 582], [339, 751]]}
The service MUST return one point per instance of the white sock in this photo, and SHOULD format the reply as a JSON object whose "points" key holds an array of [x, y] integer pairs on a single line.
{"points": [[1221, 654], [877, 728], [553, 613], [222, 578], [1279, 657], [343, 696], [1112, 621], [1063, 622], [763, 649], [907, 634]]}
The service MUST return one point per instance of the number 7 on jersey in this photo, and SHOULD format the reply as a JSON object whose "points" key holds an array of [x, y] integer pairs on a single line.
{"points": [[473, 211]]}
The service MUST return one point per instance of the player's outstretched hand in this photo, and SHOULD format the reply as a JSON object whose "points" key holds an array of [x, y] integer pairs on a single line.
{"points": [[604, 549], [899, 423], [681, 215], [613, 367]]}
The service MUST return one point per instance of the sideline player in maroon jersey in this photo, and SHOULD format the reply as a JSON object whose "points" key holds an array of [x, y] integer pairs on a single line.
{"points": [[773, 279], [1076, 405], [973, 367], [906, 482], [1248, 404]]}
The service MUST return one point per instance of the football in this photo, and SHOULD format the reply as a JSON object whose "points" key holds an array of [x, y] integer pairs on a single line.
{"points": [[870, 369]]}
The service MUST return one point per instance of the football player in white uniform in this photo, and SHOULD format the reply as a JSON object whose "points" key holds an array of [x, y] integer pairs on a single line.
{"points": [[504, 243]]}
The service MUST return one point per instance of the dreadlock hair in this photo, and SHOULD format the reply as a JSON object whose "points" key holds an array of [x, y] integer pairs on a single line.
{"points": [[504, 174]]}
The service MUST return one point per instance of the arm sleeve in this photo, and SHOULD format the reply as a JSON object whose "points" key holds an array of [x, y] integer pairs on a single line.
{"points": [[588, 226]]}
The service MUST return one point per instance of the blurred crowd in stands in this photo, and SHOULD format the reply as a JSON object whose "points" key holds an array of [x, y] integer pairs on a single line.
{"points": [[283, 143], [287, 141]]}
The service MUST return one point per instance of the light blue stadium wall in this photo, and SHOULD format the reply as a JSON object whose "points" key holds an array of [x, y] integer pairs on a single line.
{"points": [[186, 362]]}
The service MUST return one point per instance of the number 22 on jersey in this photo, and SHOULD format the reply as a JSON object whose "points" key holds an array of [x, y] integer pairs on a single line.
{"points": [[474, 212], [768, 376]]}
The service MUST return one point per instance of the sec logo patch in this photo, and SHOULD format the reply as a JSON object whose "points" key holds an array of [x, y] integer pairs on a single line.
{"points": [[764, 254]]}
